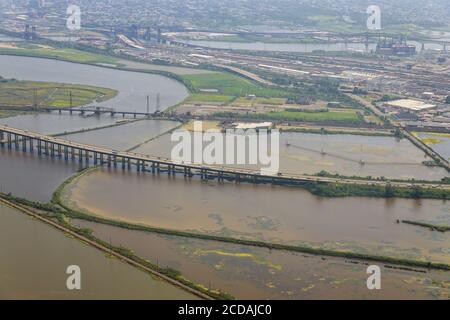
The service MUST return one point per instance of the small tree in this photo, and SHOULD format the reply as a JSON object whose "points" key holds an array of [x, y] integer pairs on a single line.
{"points": [[447, 100]]}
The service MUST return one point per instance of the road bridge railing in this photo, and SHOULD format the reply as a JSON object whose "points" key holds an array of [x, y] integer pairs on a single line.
{"points": [[70, 150]]}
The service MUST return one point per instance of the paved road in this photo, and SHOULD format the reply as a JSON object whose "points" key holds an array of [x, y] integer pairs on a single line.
{"points": [[281, 178]]}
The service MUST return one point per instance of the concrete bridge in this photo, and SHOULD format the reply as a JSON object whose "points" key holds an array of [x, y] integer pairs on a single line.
{"points": [[43, 145], [97, 111]]}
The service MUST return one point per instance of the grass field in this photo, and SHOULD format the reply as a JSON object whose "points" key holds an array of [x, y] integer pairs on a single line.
{"points": [[332, 116], [43, 51], [232, 85], [209, 98], [260, 101], [15, 93]]}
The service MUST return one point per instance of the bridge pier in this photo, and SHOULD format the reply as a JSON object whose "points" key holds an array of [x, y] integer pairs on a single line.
{"points": [[87, 157], [9, 140], [16, 142], [39, 147], [109, 161], [31, 145], [24, 144], [80, 156]]}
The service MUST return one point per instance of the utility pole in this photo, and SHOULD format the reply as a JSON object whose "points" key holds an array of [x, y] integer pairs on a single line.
{"points": [[70, 97], [158, 102], [148, 105]]}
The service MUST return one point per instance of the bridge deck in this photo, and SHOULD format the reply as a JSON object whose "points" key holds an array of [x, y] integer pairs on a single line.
{"points": [[221, 171]]}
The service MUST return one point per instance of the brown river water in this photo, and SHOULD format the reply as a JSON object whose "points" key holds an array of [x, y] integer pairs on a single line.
{"points": [[34, 258], [273, 214], [256, 273]]}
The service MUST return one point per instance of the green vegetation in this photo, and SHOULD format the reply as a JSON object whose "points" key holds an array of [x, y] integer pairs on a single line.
{"points": [[447, 100], [362, 190], [15, 93], [209, 98], [430, 226], [68, 54], [232, 85], [326, 116]]}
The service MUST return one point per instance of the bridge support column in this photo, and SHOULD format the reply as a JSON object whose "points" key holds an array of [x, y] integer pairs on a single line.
{"points": [[87, 157], [109, 161], [31, 145], [95, 158], [138, 165], [9, 140], [66, 153], [80, 155], [24, 144], [72, 153], [2, 137], [123, 163], [8, 136], [101, 159], [115, 161], [129, 163], [153, 168], [46, 148], [59, 151], [16, 142], [39, 147]]}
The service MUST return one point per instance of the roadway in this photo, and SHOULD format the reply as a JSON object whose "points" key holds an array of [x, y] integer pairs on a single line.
{"points": [[221, 171]]}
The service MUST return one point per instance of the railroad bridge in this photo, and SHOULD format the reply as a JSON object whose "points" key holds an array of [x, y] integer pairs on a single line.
{"points": [[47, 146]]}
